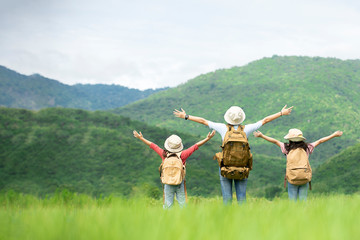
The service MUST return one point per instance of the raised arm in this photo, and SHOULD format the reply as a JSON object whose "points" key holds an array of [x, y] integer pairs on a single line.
{"points": [[182, 114], [140, 136], [327, 138], [209, 136], [284, 111], [269, 139]]}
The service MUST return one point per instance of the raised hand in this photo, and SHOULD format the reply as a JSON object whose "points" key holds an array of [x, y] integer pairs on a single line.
{"points": [[140, 136], [137, 135], [208, 137], [211, 134], [286, 111], [179, 114], [338, 133], [257, 134]]}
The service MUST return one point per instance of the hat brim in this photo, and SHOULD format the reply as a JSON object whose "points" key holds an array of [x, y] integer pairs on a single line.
{"points": [[295, 139], [228, 120]]}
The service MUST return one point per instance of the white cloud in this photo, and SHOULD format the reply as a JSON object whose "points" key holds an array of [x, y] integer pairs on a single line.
{"points": [[151, 44]]}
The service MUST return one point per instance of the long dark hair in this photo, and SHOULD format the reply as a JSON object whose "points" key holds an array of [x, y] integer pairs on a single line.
{"points": [[294, 145], [165, 153]]}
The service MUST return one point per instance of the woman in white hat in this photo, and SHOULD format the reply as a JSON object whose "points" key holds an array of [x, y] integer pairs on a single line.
{"points": [[233, 116], [297, 140], [173, 144]]}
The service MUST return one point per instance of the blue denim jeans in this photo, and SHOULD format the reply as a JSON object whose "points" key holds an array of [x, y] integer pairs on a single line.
{"points": [[170, 191], [296, 192], [226, 189]]}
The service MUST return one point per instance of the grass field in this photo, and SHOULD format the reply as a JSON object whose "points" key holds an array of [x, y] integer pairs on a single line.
{"points": [[72, 216]]}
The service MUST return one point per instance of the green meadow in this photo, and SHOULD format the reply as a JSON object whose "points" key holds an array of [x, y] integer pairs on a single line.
{"points": [[68, 215]]}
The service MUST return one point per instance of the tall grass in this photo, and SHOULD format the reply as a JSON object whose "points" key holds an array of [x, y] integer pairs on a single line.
{"points": [[82, 217]]}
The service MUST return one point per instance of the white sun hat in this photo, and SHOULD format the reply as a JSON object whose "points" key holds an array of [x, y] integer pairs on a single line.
{"points": [[234, 115], [173, 144], [295, 135]]}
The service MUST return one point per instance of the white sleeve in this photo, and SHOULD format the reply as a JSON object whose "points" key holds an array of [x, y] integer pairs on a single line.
{"points": [[218, 127], [250, 128]]}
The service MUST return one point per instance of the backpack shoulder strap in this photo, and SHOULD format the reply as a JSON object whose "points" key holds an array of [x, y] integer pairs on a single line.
{"points": [[230, 129], [241, 128]]}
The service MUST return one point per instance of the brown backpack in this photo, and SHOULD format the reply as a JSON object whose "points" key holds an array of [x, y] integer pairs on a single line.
{"points": [[235, 159], [298, 169], [172, 170]]}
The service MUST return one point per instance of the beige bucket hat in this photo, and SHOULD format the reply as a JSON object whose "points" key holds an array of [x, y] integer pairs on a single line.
{"points": [[295, 135], [173, 144], [234, 115]]}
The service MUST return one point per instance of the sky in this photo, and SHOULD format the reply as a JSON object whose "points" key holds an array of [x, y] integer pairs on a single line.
{"points": [[146, 44]]}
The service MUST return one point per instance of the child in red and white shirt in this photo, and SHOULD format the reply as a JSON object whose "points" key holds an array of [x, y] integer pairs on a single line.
{"points": [[173, 144]]}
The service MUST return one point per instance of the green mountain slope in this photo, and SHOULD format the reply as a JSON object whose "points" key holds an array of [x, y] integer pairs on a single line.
{"points": [[95, 153], [90, 152], [323, 91], [341, 173], [36, 92]]}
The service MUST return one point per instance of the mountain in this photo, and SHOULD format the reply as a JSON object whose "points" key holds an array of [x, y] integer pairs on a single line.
{"points": [[95, 152], [36, 92], [325, 93], [341, 173]]}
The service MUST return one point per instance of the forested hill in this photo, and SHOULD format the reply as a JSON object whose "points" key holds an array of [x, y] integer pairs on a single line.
{"points": [[36, 92], [323, 91], [341, 172], [89, 152], [96, 153]]}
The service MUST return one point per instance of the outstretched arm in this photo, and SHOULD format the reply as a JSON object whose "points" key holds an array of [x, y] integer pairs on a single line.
{"points": [[269, 139], [140, 136], [209, 136], [182, 114], [327, 138], [284, 111]]}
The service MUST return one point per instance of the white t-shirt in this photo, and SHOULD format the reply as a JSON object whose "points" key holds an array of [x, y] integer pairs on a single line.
{"points": [[222, 128]]}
